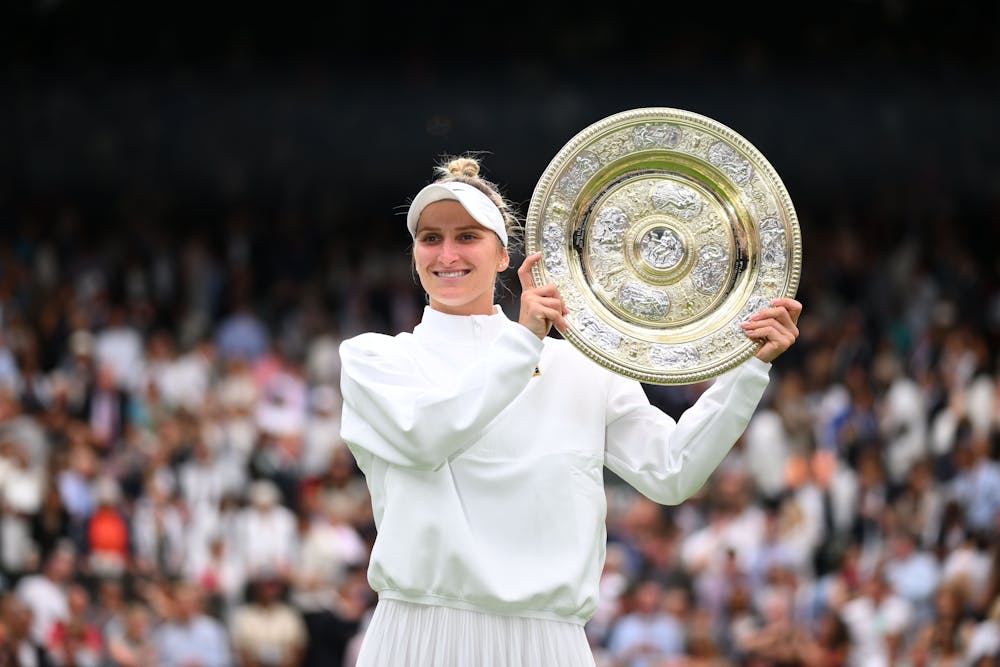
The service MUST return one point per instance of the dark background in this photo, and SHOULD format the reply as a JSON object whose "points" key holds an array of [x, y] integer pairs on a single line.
{"points": [[313, 124]]}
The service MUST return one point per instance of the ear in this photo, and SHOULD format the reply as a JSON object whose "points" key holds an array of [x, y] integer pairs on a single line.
{"points": [[504, 260]]}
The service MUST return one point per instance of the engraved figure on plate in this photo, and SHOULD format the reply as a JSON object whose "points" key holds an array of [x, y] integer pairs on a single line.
{"points": [[710, 270], [596, 331], [772, 244], [643, 301], [661, 248], [737, 167], [609, 230], [584, 166], [552, 246], [656, 136], [669, 356], [677, 199]]}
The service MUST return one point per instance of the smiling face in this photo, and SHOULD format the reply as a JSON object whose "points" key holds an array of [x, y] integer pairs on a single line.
{"points": [[457, 260]]}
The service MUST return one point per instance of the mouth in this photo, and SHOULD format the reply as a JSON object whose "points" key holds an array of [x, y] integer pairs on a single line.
{"points": [[451, 274]]}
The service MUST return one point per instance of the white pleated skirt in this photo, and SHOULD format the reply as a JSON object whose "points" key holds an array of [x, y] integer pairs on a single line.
{"points": [[403, 634]]}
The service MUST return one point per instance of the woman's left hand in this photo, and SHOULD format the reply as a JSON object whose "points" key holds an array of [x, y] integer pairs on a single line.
{"points": [[776, 328]]}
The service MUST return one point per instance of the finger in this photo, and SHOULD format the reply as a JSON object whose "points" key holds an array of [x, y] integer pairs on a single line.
{"points": [[760, 333], [550, 315], [541, 320], [772, 339], [524, 273], [793, 307], [777, 324], [547, 290], [776, 314], [559, 323], [548, 302], [780, 315], [770, 348]]}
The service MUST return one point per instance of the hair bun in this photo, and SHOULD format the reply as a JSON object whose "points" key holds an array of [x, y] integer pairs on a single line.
{"points": [[464, 166]]}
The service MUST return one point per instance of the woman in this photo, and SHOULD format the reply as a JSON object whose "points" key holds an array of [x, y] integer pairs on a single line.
{"points": [[483, 442]]}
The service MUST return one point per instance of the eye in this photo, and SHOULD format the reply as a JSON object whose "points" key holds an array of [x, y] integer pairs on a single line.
{"points": [[429, 238], [469, 236]]}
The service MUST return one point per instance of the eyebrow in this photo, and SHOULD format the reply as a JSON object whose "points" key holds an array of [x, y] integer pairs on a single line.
{"points": [[457, 229]]}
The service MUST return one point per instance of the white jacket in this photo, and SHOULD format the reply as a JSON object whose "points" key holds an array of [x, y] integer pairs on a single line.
{"points": [[484, 447]]}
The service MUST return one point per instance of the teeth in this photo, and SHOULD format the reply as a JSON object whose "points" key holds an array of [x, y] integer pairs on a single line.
{"points": [[450, 274]]}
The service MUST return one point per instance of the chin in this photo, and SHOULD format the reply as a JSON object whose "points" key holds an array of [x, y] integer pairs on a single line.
{"points": [[458, 306]]}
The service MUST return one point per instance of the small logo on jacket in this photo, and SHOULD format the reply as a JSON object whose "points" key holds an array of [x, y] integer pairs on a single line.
{"points": [[536, 373]]}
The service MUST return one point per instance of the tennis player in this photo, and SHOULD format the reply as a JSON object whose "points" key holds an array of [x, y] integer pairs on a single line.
{"points": [[483, 442]]}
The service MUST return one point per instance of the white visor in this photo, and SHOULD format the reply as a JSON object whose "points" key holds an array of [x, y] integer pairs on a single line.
{"points": [[479, 206]]}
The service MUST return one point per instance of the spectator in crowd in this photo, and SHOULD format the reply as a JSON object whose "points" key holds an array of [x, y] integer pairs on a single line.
{"points": [[266, 631], [941, 638], [329, 546], [912, 573], [105, 409], [46, 593], [267, 531], [977, 485], [51, 524], [18, 646], [205, 477], [110, 605], [22, 487], [775, 638], [77, 641], [108, 541], [321, 434], [131, 644], [159, 538], [242, 334], [188, 636], [646, 634], [828, 646], [119, 351], [984, 640], [878, 621]]}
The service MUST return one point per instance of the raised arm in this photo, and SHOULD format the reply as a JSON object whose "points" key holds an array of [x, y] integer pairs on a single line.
{"points": [[669, 461], [394, 411]]}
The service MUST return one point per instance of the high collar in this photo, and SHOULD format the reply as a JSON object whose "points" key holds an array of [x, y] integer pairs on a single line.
{"points": [[460, 328]]}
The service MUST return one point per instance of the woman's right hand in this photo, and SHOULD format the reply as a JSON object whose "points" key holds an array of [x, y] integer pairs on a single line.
{"points": [[541, 307]]}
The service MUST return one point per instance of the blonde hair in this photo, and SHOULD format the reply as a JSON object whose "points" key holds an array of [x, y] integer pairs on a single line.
{"points": [[466, 169]]}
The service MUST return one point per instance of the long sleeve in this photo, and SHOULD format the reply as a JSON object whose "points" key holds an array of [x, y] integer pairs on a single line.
{"points": [[669, 461], [398, 410]]}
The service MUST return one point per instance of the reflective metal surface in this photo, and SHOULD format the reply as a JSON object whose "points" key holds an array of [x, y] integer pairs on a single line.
{"points": [[663, 230]]}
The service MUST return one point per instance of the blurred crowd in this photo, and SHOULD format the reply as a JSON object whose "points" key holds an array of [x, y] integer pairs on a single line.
{"points": [[175, 492]]}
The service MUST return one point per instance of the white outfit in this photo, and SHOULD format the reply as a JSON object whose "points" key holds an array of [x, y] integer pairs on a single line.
{"points": [[483, 448], [121, 348], [203, 483], [767, 448], [870, 622], [269, 538], [905, 427], [184, 381], [48, 603]]}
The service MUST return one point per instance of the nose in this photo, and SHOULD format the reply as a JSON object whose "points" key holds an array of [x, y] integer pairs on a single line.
{"points": [[449, 252]]}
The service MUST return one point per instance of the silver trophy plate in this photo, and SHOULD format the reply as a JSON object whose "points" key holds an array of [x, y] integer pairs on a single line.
{"points": [[664, 230]]}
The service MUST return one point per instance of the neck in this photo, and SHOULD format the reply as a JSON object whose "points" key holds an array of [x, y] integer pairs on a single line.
{"points": [[483, 308]]}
